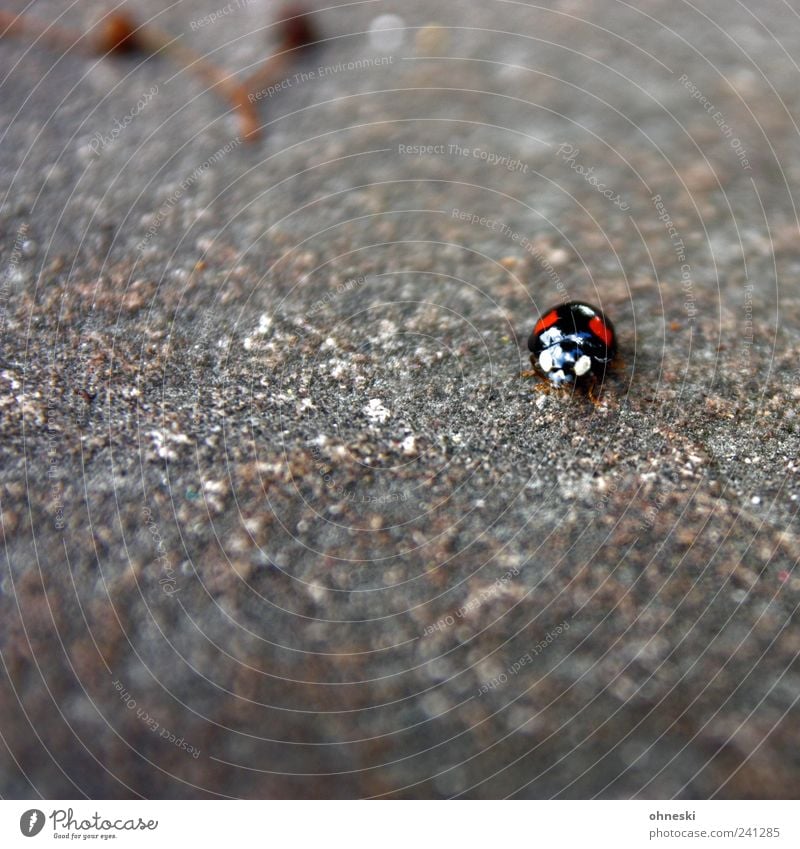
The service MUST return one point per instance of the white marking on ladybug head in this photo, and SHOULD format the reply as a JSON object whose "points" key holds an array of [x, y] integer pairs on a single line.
{"points": [[583, 365], [545, 361]]}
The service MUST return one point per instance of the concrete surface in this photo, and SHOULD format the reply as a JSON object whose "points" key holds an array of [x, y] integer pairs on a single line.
{"points": [[280, 518]]}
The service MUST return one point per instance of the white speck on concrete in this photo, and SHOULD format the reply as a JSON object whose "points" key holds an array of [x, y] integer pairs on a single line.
{"points": [[376, 412], [386, 32]]}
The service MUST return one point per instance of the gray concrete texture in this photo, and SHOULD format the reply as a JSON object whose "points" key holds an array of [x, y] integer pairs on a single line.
{"points": [[279, 516]]}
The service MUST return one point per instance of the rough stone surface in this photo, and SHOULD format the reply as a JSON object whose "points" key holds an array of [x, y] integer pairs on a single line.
{"points": [[279, 516]]}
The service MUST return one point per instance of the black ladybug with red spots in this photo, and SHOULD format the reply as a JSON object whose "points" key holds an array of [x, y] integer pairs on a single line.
{"points": [[573, 344]]}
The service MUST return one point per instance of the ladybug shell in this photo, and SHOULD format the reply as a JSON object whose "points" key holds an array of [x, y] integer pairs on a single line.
{"points": [[572, 341]]}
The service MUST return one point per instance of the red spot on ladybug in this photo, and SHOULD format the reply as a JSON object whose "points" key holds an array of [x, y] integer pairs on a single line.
{"points": [[546, 321], [601, 331]]}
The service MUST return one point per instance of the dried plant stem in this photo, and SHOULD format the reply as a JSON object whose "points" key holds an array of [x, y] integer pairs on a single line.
{"points": [[271, 71], [27, 26], [154, 41], [118, 33], [297, 33]]}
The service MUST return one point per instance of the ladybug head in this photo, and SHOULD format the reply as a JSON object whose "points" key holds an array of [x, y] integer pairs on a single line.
{"points": [[564, 362]]}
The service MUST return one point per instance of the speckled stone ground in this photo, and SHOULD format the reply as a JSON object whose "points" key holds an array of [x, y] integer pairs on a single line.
{"points": [[279, 517]]}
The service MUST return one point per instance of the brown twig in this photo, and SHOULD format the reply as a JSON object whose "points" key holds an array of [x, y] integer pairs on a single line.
{"points": [[152, 41], [118, 33], [25, 25], [297, 33]]}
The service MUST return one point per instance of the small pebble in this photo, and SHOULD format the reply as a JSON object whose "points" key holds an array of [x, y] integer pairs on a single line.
{"points": [[387, 32], [431, 40]]}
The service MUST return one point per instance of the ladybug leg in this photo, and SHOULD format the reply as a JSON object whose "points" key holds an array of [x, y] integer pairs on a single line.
{"points": [[595, 388], [533, 372], [542, 383]]}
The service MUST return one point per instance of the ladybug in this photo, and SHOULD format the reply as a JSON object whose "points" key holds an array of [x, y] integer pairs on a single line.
{"points": [[573, 344]]}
